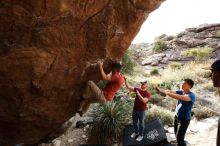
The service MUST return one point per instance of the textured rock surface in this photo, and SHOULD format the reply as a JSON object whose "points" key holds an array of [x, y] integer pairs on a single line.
{"points": [[154, 59], [47, 53]]}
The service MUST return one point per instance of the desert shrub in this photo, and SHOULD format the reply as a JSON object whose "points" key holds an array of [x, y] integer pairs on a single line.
{"points": [[206, 74], [151, 89], [154, 72], [159, 46], [109, 121], [204, 54], [217, 34], [128, 64], [156, 98], [175, 65], [207, 86], [198, 53], [166, 85], [165, 115], [201, 112], [169, 103]]}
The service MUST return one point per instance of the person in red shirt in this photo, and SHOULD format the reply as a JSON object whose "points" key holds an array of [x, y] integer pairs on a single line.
{"points": [[140, 105], [93, 94]]}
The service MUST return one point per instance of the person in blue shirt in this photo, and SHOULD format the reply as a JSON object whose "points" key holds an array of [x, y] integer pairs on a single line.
{"points": [[185, 100]]}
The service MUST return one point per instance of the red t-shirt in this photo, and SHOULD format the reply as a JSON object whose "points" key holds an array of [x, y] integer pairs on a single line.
{"points": [[117, 80], [138, 104]]}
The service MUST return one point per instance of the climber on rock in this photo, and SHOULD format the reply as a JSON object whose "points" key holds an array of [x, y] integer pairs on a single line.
{"points": [[93, 94]]}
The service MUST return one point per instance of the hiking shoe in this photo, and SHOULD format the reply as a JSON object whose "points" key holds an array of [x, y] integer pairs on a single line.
{"points": [[134, 135], [82, 98], [82, 103], [139, 138]]}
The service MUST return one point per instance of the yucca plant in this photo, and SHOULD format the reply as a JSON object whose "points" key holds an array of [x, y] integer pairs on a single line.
{"points": [[109, 121]]}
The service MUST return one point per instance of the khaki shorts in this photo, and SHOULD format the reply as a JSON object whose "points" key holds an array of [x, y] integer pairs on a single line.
{"points": [[93, 94]]}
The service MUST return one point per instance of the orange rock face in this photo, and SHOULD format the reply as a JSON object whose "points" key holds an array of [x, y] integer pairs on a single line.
{"points": [[47, 53]]}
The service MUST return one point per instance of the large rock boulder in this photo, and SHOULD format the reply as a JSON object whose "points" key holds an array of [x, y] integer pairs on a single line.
{"points": [[48, 50], [153, 59]]}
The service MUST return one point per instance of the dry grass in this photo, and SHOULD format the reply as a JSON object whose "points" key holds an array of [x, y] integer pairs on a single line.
{"points": [[139, 75], [175, 65], [165, 115], [193, 70], [198, 53], [201, 112]]}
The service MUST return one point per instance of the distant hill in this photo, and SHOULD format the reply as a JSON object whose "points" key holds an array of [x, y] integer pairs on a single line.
{"points": [[191, 44]]}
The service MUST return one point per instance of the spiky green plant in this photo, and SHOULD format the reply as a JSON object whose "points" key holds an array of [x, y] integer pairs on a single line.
{"points": [[109, 121]]}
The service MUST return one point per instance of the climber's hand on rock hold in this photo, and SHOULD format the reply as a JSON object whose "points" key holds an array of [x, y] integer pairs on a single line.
{"points": [[100, 64]]}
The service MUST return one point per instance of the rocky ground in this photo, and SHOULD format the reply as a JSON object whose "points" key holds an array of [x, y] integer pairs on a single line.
{"points": [[203, 133], [200, 133], [73, 136]]}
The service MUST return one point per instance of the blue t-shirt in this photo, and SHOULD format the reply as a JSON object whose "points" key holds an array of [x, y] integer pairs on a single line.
{"points": [[184, 108]]}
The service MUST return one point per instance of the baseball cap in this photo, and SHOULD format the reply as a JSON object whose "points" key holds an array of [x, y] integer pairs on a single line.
{"points": [[143, 82], [215, 65]]}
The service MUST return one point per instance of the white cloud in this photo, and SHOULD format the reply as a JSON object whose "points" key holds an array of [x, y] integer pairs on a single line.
{"points": [[174, 16]]}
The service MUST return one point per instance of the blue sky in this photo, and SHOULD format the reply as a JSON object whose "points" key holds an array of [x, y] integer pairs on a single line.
{"points": [[174, 16]]}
